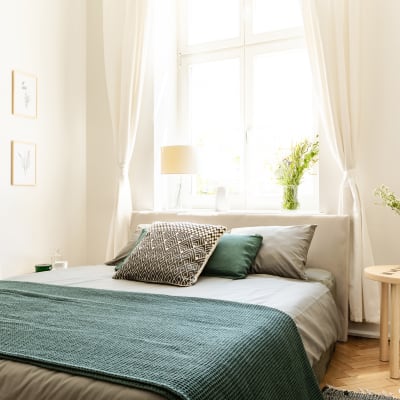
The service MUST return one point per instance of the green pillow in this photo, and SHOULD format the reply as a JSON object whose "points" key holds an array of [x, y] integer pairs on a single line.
{"points": [[138, 240], [233, 256]]}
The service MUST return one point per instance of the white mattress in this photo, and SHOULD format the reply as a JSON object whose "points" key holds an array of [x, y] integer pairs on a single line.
{"points": [[310, 304]]}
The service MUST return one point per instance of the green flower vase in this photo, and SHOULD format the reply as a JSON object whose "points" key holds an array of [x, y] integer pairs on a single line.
{"points": [[290, 201]]}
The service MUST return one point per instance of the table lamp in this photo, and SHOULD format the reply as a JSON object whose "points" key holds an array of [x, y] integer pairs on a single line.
{"points": [[178, 160]]}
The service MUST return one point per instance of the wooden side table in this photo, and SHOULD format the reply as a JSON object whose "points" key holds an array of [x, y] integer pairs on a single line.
{"points": [[389, 277]]}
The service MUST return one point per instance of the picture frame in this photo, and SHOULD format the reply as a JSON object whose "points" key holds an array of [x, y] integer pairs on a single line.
{"points": [[24, 94], [23, 164]]}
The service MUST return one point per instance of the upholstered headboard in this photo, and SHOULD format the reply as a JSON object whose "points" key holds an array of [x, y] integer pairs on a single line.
{"points": [[329, 248]]}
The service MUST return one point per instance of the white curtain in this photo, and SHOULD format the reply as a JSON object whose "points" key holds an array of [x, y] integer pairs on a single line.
{"points": [[125, 31], [333, 37]]}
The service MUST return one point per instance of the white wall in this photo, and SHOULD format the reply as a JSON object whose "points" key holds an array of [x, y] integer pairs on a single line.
{"points": [[46, 38], [380, 122]]}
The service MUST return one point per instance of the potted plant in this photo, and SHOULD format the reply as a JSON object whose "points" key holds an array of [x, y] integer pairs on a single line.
{"points": [[291, 170]]}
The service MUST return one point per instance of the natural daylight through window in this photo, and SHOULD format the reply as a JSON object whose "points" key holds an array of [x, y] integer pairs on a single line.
{"points": [[245, 96]]}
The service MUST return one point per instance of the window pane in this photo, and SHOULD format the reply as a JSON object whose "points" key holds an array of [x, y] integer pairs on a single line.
{"points": [[211, 20], [282, 114], [215, 122], [272, 15]]}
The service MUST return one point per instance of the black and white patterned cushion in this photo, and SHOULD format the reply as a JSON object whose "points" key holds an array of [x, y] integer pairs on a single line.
{"points": [[172, 252]]}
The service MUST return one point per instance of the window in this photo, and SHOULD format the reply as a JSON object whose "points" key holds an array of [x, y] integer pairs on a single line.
{"points": [[245, 96]]}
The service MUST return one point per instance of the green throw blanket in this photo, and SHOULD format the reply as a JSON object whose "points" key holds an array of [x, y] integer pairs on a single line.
{"points": [[179, 347]]}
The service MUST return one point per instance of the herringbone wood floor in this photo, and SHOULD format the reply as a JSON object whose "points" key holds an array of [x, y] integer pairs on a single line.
{"points": [[355, 366]]}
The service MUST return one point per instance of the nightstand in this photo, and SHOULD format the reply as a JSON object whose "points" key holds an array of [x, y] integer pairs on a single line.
{"points": [[389, 277]]}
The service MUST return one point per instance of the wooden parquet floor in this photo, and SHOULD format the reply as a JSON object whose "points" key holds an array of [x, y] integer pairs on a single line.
{"points": [[356, 366]]}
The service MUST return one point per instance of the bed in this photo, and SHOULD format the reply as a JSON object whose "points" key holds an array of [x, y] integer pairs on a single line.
{"points": [[320, 315]]}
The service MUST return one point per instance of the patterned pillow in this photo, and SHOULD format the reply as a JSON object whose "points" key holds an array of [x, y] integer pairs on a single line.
{"points": [[172, 252]]}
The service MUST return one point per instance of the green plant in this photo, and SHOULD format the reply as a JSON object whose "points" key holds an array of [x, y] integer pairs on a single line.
{"points": [[291, 169], [302, 156], [388, 198]]}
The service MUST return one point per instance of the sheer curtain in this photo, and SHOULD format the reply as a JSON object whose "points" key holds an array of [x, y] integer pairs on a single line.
{"points": [[125, 31], [333, 37]]}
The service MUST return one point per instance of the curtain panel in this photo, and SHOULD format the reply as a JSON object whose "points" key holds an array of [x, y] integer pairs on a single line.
{"points": [[332, 29], [125, 34]]}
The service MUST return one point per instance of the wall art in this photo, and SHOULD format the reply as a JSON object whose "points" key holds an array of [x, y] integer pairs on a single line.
{"points": [[23, 164], [24, 94]]}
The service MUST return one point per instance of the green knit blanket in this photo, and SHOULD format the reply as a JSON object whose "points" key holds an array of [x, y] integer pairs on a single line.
{"points": [[179, 347]]}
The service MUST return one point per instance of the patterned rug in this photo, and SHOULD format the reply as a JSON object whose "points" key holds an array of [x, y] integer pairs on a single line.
{"points": [[330, 393]]}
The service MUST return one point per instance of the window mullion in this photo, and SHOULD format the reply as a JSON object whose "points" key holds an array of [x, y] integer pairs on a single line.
{"points": [[243, 88], [247, 123]]}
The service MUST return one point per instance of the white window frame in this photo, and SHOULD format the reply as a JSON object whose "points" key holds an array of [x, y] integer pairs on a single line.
{"points": [[245, 47]]}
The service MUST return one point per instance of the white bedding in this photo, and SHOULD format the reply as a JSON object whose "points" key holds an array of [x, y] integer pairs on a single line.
{"points": [[310, 304]]}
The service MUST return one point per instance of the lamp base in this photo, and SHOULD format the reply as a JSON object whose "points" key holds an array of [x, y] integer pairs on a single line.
{"points": [[176, 192]]}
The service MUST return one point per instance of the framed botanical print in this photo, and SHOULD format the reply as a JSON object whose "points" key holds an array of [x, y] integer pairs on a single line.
{"points": [[24, 94], [23, 164]]}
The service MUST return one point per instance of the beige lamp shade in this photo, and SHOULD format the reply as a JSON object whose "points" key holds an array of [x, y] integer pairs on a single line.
{"points": [[178, 160]]}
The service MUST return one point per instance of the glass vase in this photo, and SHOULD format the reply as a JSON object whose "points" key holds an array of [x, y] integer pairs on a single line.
{"points": [[290, 201]]}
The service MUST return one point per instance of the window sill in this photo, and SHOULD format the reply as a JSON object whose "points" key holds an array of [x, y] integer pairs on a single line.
{"points": [[198, 211]]}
